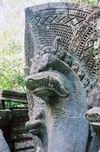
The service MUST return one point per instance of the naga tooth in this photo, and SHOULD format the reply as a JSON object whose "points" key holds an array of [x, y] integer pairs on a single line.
{"points": [[49, 84], [52, 85]]}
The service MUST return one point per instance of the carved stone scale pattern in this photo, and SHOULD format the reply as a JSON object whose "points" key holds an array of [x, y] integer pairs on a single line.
{"points": [[76, 27], [66, 16]]}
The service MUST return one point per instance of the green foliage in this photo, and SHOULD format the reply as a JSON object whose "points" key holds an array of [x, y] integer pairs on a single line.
{"points": [[11, 63], [92, 2], [10, 105]]}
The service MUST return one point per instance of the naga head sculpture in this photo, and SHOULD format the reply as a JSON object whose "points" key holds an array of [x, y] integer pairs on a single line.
{"points": [[60, 40]]}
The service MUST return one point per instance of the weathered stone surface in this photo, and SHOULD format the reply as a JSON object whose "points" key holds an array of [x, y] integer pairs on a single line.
{"points": [[5, 117], [22, 140], [93, 116], [13, 122], [94, 97], [24, 145], [1, 106], [62, 68], [3, 144], [13, 96]]}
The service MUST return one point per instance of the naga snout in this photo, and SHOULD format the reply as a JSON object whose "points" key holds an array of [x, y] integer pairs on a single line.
{"points": [[48, 83]]}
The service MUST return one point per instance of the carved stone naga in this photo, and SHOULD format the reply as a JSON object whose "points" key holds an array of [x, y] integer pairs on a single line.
{"points": [[62, 69], [93, 116]]}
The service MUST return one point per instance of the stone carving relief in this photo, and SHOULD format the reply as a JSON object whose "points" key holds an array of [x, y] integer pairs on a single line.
{"points": [[62, 69], [3, 144], [93, 116]]}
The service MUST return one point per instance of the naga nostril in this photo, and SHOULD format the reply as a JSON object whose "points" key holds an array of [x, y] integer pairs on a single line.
{"points": [[87, 115]]}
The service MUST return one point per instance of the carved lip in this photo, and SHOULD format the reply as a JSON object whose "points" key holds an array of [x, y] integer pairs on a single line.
{"points": [[94, 122], [35, 126], [93, 116], [47, 83]]}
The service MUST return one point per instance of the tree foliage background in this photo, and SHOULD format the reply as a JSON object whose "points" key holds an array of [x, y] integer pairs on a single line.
{"points": [[11, 63]]}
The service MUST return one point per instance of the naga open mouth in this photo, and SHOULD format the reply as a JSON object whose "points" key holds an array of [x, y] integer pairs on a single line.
{"points": [[93, 116], [35, 127], [47, 83]]}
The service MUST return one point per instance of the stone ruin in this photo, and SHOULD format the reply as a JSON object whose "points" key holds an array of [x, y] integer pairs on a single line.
{"points": [[62, 51], [62, 54], [14, 137], [62, 41]]}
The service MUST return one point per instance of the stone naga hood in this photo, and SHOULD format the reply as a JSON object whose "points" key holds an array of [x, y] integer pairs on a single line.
{"points": [[59, 42]]}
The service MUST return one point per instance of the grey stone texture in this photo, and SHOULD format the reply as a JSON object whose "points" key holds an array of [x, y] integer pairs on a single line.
{"points": [[62, 68], [3, 144]]}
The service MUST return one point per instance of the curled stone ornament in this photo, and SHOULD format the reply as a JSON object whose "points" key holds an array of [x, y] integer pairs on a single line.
{"points": [[60, 53]]}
